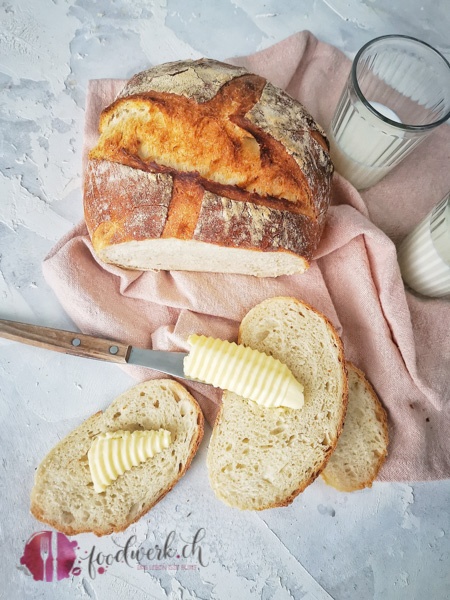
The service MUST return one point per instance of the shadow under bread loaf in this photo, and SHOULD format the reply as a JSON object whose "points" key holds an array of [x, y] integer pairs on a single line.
{"points": [[202, 166]]}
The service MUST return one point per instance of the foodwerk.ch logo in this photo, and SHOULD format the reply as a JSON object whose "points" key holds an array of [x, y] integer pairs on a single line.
{"points": [[51, 556]]}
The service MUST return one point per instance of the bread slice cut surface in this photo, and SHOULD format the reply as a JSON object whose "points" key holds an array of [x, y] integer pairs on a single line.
{"points": [[362, 447], [63, 494], [261, 457]]}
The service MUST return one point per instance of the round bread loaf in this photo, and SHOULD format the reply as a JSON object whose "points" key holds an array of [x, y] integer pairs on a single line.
{"points": [[203, 166]]}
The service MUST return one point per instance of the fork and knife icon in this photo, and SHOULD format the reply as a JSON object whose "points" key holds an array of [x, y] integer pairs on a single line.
{"points": [[48, 545]]}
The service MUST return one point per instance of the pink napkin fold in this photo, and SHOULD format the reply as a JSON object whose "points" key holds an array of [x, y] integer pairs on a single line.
{"points": [[400, 340]]}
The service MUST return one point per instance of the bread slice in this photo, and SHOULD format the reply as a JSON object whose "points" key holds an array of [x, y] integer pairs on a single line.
{"points": [[63, 494], [362, 447], [260, 457]]}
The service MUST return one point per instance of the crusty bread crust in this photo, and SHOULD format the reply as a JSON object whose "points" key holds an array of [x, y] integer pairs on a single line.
{"points": [[204, 151], [149, 205], [379, 457], [221, 428], [78, 442]]}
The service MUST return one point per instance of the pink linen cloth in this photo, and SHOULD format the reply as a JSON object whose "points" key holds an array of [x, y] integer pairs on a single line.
{"points": [[400, 340]]}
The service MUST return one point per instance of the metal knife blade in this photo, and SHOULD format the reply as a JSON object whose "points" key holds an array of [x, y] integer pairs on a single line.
{"points": [[89, 346], [170, 363]]}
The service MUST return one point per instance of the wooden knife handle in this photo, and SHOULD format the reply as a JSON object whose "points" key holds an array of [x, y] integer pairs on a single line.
{"points": [[68, 342]]}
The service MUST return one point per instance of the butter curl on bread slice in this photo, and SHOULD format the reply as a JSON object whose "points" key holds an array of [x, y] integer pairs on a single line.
{"points": [[240, 369]]}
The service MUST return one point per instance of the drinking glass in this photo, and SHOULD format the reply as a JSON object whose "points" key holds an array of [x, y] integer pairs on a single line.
{"points": [[397, 93], [424, 255]]}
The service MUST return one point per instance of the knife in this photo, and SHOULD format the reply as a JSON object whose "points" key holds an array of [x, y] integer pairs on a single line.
{"points": [[89, 346]]}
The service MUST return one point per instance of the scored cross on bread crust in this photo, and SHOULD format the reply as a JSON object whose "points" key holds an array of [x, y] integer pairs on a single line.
{"points": [[205, 152]]}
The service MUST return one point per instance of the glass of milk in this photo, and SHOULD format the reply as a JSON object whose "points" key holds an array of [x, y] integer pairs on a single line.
{"points": [[424, 255], [397, 92]]}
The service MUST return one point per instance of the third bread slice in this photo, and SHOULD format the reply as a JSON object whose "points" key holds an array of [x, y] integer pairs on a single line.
{"points": [[362, 447], [260, 457]]}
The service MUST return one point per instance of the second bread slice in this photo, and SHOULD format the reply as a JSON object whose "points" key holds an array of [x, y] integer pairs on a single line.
{"points": [[260, 457]]}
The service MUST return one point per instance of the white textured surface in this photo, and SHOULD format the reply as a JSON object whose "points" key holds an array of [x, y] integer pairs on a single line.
{"points": [[390, 542]]}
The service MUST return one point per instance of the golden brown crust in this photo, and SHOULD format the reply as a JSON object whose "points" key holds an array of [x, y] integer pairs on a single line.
{"points": [[184, 209], [191, 212], [199, 80], [288, 123], [212, 130], [118, 205], [213, 139], [232, 223]]}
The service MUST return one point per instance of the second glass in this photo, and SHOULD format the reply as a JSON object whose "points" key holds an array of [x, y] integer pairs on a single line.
{"points": [[424, 255]]}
